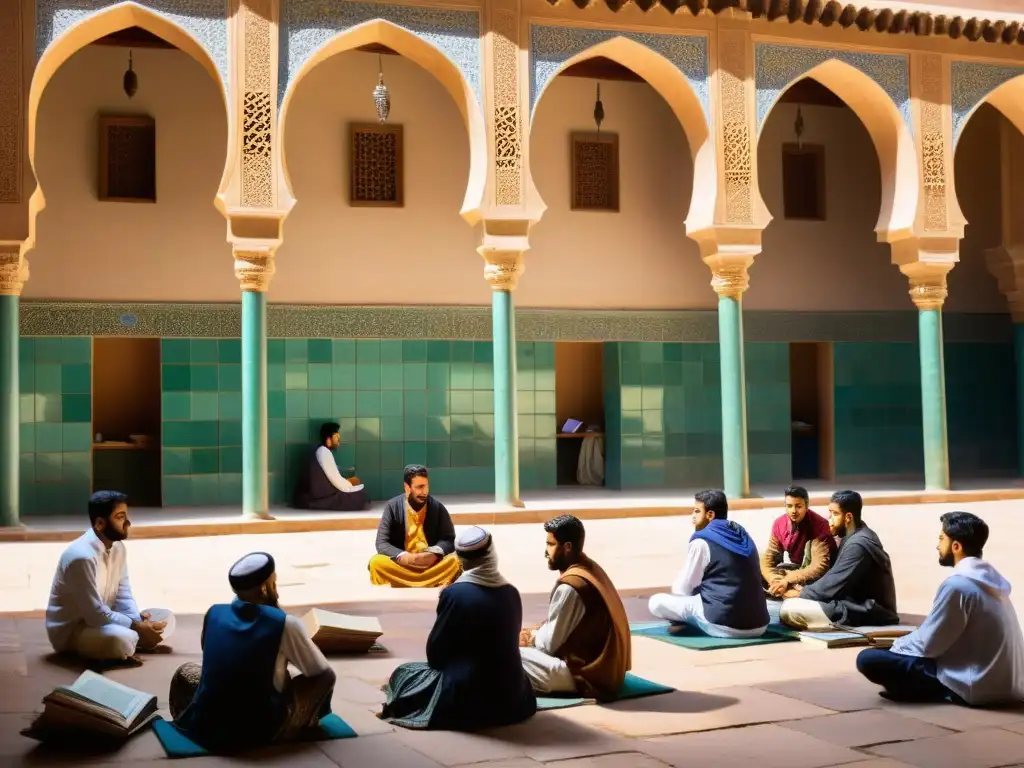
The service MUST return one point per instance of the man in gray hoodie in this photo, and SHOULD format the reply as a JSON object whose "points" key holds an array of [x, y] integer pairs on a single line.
{"points": [[970, 649]]}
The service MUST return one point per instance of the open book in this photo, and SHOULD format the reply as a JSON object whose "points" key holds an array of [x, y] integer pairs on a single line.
{"points": [[340, 633], [96, 705], [849, 637]]}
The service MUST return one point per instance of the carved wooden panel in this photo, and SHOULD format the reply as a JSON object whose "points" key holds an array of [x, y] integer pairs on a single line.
{"points": [[803, 181], [127, 167], [595, 172], [10, 101], [376, 166]]}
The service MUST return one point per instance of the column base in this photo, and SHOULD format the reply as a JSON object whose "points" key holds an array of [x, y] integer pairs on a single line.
{"points": [[258, 516]]}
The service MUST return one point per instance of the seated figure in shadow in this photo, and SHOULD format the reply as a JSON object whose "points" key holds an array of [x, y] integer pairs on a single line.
{"points": [[321, 486]]}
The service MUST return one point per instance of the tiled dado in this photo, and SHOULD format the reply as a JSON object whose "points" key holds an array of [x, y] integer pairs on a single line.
{"points": [[456, 323]]}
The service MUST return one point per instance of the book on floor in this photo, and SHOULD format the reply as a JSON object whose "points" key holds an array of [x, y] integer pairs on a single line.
{"points": [[850, 637], [340, 633], [94, 705]]}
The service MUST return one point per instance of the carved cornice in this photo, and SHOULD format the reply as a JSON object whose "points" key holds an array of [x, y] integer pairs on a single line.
{"points": [[13, 270], [254, 269]]}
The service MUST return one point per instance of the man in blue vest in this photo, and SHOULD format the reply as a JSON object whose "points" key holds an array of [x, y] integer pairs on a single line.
{"points": [[242, 697], [719, 589]]}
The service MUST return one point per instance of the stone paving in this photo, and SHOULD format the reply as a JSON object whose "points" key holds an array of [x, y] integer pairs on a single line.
{"points": [[788, 705]]}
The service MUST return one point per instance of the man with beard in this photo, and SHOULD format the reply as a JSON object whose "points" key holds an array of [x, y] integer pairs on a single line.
{"points": [[719, 589], [858, 590], [970, 649], [92, 612], [321, 485], [243, 697], [804, 536], [584, 646], [415, 538]]}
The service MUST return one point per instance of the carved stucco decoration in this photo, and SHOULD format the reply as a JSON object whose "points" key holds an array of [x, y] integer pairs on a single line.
{"points": [[970, 83], [508, 141], [13, 270], [502, 269], [928, 292], [776, 66], [11, 93], [736, 144], [254, 269], [257, 108], [730, 281], [933, 144]]}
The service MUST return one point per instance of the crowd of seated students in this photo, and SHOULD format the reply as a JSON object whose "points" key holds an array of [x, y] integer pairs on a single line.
{"points": [[483, 668]]}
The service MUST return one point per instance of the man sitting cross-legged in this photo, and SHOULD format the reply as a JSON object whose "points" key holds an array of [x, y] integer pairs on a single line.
{"points": [[320, 485], [970, 649], [415, 538], [584, 646], [804, 536], [91, 612], [719, 589], [242, 697], [858, 589], [473, 677]]}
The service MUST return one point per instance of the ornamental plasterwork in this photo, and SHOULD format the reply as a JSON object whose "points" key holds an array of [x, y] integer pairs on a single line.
{"points": [[933, 143], [777, 66], [205, 20], [552, 46], [736, 154], [308, 25], [10, 101], [971, 82], [508, 142], [257, 107]]}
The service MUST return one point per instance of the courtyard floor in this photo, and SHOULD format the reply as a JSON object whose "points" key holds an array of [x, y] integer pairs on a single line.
{"points": [[788, 705]]}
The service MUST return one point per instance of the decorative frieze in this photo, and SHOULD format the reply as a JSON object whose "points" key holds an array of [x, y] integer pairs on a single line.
{"points": [[11, 98]]}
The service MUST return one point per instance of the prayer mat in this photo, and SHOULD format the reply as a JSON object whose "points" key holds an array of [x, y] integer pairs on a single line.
{"points": [[686, 636], [177, 745], [633, 687]]}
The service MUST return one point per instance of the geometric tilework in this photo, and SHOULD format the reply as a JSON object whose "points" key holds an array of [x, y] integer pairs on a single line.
{"points": [[970, 83]]}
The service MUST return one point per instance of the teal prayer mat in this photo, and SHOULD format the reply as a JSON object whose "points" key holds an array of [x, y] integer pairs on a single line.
{"points": [[633, 687], [178, 745], [686, 636]]}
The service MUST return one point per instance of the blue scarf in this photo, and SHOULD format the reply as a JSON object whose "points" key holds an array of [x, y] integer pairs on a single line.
{"points": [[727, 534]]}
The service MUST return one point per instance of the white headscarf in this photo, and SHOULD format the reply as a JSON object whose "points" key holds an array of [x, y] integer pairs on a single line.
{"points": [[483, 567]]}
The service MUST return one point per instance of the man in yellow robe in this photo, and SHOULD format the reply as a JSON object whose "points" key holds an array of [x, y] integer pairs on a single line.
{"points": [[415, 538]]}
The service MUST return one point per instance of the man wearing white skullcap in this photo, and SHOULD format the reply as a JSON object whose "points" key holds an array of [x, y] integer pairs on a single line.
{"points": [[473, 677], [243, 697]]}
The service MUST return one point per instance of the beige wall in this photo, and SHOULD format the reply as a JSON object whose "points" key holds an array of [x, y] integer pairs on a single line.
{"points": [[425, 253]]}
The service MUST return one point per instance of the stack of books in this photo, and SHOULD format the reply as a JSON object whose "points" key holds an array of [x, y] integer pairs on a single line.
{"points": [[340, 633]]}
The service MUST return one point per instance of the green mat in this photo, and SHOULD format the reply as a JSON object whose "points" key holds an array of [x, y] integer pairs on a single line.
{"points": [[696, 640], [177, 745], [633, 687]]}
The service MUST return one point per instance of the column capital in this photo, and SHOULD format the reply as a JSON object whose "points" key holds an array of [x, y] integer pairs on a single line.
{"points": [[254, 269], [927, 283], [13, 269], [502, 268], [729, 252]]}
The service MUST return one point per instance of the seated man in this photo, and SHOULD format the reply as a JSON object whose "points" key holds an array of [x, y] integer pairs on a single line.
{"points": [[321, 486], [970, 649], [804, 536], [584, 646], [719, 589], [91, 611], [473, 677], [242, 697], [415, 538], [858, 590]]}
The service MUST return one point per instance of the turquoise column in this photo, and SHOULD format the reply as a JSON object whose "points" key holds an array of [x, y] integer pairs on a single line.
{"points": [[933, 398], [735, 463], [506, 428], [255, 495], [9, 418], [1018, 340]]}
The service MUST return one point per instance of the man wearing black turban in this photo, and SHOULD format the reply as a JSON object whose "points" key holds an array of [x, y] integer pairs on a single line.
{"points": [[242, 697]]}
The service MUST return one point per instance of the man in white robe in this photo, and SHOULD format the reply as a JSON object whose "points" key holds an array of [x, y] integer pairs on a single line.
{"points": [[92, 612]]}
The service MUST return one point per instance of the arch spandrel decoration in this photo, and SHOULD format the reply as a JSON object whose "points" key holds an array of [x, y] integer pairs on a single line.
{"points": [[552, 46], [205, 20], [776, 66], [971, 83], [308, 25]]}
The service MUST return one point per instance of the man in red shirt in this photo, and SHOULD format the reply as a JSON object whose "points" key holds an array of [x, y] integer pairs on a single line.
{"points": [[804, 536]]}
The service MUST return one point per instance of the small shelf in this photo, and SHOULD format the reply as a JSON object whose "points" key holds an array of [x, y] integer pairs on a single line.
{"points": [[118, 446], [578, 435]]}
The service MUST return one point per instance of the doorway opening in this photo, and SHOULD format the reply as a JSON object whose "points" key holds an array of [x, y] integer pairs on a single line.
{"points": [[126, 418], [811, 387], [579, 398]]}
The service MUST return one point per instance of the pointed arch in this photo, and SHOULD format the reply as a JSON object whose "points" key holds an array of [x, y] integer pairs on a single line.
{"points": [[430, 58], [89, 30], [897, 156], [671, 84]]}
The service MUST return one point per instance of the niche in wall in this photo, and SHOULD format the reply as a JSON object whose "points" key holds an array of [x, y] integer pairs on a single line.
{"points": [[812, 403], [579, 394]]}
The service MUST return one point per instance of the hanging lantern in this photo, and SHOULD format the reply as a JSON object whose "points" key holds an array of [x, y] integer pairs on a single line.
{"points": [[131, 80], [598, 109], [798, 128], [381, 100]]}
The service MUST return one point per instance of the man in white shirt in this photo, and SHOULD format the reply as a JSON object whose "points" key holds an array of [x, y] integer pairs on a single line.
{"points": [[92, 612], [243, 697], [321, 486]]}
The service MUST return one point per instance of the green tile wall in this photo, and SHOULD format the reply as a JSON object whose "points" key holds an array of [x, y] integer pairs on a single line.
{"points": [[201, 422], [981, 409], [56, 424], [877, 409], [663, 414]]}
